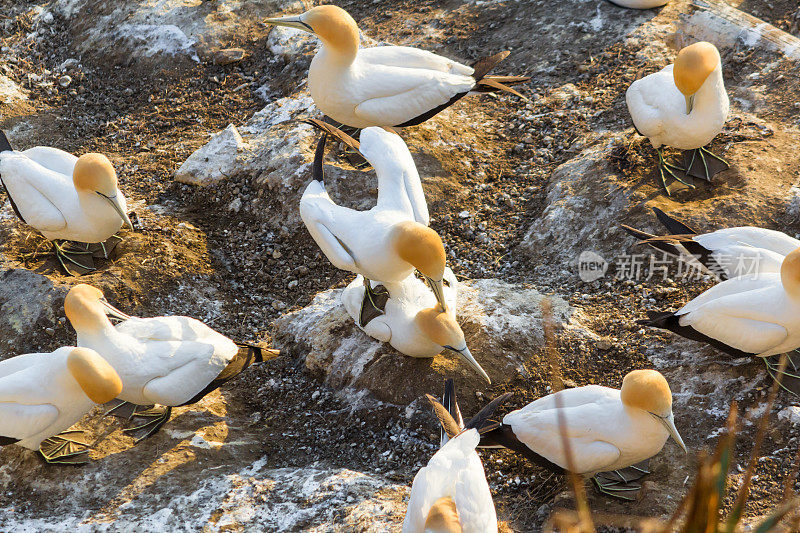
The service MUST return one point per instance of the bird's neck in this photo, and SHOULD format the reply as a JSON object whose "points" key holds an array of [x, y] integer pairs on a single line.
{"points": [[708, 95], [337, 56]]}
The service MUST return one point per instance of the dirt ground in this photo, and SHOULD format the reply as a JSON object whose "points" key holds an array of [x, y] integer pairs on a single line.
{"points": [[237, 271]]}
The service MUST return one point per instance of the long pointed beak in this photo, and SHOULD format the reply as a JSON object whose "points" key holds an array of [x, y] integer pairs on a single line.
{"points": [[113, 311], [438, 290], [117, 205], [689, 103], [292, 21], [467, 356], [669, 423]]}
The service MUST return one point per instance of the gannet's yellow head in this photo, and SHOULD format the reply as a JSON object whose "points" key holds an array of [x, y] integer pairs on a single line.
{"points": [[442, 329], [422, 248], [98, 379], [443, 517], [332, 24], [87, 309], [648, 390], [692, 67], [790, 273], [94, 173]]}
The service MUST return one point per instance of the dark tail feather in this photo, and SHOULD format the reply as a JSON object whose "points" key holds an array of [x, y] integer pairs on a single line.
{"points": [[482, 421], [318, 172], [451, 403], [508, 80], [639, 234], [645, 238], [248, 354], [333, 131], [504, 437], [489, 85], [449, 425], [482, 66], [259, 354], [670, 322], [5, 145], [673, 225]]}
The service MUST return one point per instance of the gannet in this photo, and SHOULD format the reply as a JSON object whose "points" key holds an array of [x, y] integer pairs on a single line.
{"points": [[746, 316], [66, 198], [451, 494], [171, 361], [639, 4], [385, 85], [385, 243], [685, 106], [412, 321], [726, 253], [611, 432], [44, 394]]}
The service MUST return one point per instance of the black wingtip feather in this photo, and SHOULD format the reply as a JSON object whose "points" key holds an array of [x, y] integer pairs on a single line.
{"points": [[671, 322], [482, 67], [318, 173], [673, 225], [5, 145]]}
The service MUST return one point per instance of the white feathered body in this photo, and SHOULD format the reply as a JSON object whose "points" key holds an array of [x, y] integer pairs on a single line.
{"points": [[396, 326], [39, 397], [658, 110], [752, 314], [604, 433], [385, 85], [456, 472], [360, 241], [39, 181], [747, 250], [164, 360]]}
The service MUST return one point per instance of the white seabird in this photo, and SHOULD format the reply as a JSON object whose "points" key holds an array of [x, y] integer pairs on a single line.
{"points": [[385, 243], [170, 360], [725, 253], [746, 316], [684, 106], [412, 321], [385, 85], [44, 394], [610, 431], [64, 197], [450, 494]]}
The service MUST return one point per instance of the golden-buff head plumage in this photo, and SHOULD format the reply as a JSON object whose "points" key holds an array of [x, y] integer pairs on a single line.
{"points": [[693, 65], [82, 307], [95, 173], [335, 27], [790, 273], [443, 517], [421, 247], [98, 379], [440, 327], [648, 390]]}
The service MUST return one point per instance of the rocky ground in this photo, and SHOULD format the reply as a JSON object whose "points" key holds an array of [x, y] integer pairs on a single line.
{"points": [[196, 102]]}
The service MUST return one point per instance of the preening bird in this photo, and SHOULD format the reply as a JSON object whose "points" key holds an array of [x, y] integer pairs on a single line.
{"points": [[412, 321], [44, 394], [171, 361], [684, 106], [66, 198], [726, 253], [385, 243], [746, 316], [612, 432], [450, 494], [385, 85]]}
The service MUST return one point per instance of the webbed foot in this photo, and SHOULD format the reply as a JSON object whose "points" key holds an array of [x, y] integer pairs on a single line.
{"points": [[703, 164], [374, 302], [622, 483], [66, 448]]}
